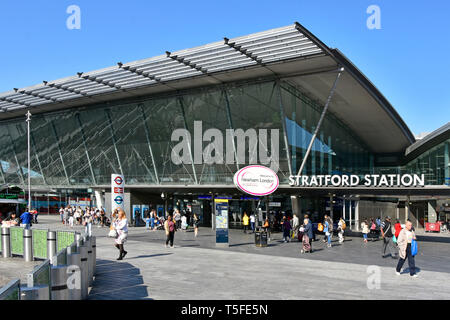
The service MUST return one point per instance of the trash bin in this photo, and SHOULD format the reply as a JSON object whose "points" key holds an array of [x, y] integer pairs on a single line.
{"points": [[261, 238]]}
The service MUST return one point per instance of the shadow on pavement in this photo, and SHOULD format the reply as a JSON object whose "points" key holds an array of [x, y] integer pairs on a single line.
{"points": [[117, 280], [149, 256]]}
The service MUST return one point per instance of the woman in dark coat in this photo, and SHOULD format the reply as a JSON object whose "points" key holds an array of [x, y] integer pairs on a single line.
{"points": [[286, 229]]}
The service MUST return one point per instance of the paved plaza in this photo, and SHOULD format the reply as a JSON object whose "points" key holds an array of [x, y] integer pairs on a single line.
{"points": [[196, 269]]}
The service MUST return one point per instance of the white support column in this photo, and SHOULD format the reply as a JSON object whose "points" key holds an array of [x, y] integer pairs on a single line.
{"points": [[98, 198], [343, 209], [357, 215], [350, 213]]}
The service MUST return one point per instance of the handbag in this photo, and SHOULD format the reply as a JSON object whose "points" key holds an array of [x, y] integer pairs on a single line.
{"points": [[394, 239], [112, 233], [413, 247]]}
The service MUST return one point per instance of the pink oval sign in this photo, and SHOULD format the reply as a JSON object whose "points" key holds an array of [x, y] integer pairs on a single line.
{"points": [[256, 180]]}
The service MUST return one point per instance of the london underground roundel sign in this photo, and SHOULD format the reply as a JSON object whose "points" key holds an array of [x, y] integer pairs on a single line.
{"points": [[256, 180]]}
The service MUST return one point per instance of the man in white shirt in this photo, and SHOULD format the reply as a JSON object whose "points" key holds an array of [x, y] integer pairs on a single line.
{"points": [[252, 222]]}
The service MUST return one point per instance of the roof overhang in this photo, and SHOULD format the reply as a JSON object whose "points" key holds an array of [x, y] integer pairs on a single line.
{"points": [[429, 141], [290, 53]]}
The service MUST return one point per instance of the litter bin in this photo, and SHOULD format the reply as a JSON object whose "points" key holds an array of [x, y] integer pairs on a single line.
{"points": [[261, 238]]}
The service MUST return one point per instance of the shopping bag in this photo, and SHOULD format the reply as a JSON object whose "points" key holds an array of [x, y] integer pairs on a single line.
{"points": [[112, 233], [413, 247], [394, 239]]}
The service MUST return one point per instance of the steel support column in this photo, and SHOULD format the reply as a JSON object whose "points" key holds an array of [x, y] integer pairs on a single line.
{"points": [[21, 175], [180, 100], [147, 136], [85, 147], [59, 151], [283, 122], [33, 142], [113, 137], [322, 116], [230, 124]]}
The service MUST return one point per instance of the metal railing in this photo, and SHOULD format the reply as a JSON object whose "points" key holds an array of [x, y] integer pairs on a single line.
{"points": [[11, 291], [39, 280], [41, 276], [40, 243]]}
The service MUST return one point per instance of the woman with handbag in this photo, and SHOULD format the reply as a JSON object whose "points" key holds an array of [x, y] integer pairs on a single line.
{"points": [[406, 248], [170, 228], [121, 227]]}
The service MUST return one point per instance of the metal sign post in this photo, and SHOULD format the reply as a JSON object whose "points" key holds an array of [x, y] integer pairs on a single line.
{"points": [[28, 120]]}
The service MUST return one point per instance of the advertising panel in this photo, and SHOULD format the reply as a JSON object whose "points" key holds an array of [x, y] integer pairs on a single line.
{"points": [[221, 222]]}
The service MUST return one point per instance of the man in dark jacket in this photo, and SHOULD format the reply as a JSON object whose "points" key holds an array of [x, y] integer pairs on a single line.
{"points": [[386, 233], [309, 232]]}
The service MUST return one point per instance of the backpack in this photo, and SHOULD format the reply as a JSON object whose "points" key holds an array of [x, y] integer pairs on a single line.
{"points": [[343, 225]]}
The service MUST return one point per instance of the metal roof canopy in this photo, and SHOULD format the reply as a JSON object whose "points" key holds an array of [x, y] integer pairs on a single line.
{"points": [[281, 52], [429, 141]]}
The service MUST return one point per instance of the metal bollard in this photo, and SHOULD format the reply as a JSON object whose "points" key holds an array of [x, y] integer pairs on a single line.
{"points": [[51, 244], [59, 283], [27, 245], [6, 243], [84, 272], [78, 239], [38, 292], [74, 274], [90, 259], [94, 255]]}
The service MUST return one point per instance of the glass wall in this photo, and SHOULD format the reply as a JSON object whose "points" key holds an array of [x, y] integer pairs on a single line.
{"points": [[434, 164], [81, 147]]}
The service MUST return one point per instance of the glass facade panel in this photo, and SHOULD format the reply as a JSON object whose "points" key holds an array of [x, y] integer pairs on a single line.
{"points": [[83, 146]]}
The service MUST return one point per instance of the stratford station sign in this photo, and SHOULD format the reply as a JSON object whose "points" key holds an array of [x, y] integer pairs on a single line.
{"points": [[368, 180]]}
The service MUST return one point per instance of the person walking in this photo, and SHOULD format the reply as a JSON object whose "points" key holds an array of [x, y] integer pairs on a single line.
{"points": [[252, 222], [286, 229], [61, 214], [196, 223], [398, 228], [170, 228], [328, 229], [66, 215], [325, 237], [405, 238], [88, 222], [386, 234], [71, 218], [308, 232], [295, 225], [121, 227], [365, 230], [177, 218], [26, 219], [341, 228], [245, 221]]}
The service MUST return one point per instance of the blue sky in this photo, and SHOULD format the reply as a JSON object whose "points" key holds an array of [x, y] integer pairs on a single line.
{"points": [[407, 59]]}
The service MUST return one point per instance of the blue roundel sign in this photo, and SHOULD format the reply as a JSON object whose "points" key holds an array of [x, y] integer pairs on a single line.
{"points": [[118, 199]]}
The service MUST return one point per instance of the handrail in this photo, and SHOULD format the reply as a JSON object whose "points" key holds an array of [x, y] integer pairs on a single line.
{"points": [[11, 291]]}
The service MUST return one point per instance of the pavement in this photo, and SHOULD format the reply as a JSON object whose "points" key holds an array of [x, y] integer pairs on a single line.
{"points": [[15, 267], [196, 269]]}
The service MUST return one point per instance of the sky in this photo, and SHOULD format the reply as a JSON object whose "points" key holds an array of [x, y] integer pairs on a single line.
{"points": [[406, 59]]}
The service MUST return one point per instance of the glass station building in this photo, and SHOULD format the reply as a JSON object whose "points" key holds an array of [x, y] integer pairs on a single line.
{"points": [[121, 120]]}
